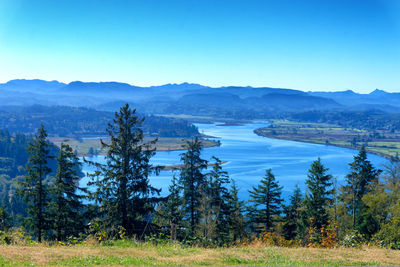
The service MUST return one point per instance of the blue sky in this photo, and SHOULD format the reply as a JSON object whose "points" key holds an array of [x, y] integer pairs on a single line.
{"points": [[302, 44]]}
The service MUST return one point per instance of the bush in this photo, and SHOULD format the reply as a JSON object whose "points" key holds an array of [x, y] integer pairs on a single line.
{"points": [[15, 236], [266, 239], [353, 239], [389, 235]]}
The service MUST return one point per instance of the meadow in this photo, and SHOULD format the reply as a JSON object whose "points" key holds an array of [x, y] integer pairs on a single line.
{"points": [[128, 253]]}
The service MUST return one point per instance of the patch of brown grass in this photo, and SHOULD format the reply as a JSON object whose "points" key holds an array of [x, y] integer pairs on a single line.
{"points": [[254, 255]]}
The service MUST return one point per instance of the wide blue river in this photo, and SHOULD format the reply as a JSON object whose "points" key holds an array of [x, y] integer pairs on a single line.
{"points": [[249, 155]]}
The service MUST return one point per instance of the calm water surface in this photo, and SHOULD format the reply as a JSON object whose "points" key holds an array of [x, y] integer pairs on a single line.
{"points": [[249, 155]]}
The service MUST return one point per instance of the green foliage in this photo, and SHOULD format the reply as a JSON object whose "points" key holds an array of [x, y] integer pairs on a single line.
{"points": [[67, 208], [268, 196], [353, 239], [361, 179], [123, 193], [318, 197], [219, 195], [5, 220], [236, 221], [171, 212], [78, 121], [389, 234], [192, 180], [292, 219], [33, 188]]}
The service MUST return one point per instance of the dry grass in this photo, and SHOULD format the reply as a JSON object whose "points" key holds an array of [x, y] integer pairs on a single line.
{"points": [[175, 255]]}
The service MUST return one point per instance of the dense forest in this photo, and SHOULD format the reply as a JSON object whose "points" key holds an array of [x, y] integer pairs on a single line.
{"points": [[202, 207], [77, 122]]}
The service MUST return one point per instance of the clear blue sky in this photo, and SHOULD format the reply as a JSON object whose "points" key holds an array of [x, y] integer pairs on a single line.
{"points": [[308, 45]]}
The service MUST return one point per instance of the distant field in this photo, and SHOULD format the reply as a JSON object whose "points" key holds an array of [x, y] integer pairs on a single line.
{"points": [[383, 143], [82, 146], [120, 253]]}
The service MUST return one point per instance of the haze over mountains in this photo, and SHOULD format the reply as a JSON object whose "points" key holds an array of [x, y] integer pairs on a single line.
{"points": [[186, 98]]}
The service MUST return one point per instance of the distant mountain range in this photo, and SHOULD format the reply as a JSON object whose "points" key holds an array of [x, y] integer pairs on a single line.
{"points": [[194, 99]]}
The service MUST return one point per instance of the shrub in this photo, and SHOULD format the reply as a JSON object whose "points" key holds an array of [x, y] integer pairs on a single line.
{"points": [[353, 239], [389, 235]]}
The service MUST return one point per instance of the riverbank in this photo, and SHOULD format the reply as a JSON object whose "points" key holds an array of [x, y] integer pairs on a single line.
{"points": [[90, 147], [381, 143], [125, 253]]}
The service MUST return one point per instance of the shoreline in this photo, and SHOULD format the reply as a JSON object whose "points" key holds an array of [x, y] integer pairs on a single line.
{"points": [[258, 132]]}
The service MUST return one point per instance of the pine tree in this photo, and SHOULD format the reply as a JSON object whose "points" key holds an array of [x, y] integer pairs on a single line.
{"points": [[67, 207], [173, 207], [123, 193], [236, 221], [362, 175], [207, 212], [319, 195], [33, 188], [291, 221], [268, 196], [192, 180], [219, 194]]}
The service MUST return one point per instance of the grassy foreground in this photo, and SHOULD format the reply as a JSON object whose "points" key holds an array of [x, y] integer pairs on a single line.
{"points": [[382, 143], [146, 254]]}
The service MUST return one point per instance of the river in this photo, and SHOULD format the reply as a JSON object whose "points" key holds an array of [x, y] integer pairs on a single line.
{"points": [[249, 155]]}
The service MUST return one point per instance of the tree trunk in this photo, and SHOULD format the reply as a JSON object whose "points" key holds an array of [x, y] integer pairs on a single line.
{"points": [[173, 231]]}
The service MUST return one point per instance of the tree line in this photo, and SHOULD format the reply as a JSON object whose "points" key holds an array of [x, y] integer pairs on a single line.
{"points": [[78, 121], [202, 206]]}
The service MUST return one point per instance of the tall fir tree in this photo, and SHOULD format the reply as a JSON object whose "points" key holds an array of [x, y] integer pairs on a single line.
{"points": [[67, 207], [192, 180], [173, 208], [218, 180], [358, 183], [236, 221], [206, 227], [292, 219], [123, 193], [266, 199], [318, 196], [33, 188]]}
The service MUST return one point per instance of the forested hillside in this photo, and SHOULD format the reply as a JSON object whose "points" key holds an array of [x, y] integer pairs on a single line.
{"points": [[192, 99], [78, 122]]}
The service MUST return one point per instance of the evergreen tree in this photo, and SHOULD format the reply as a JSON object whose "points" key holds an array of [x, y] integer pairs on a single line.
{"points": [[33, 188], [123, 193], [236, 221], [359, 181], [319, 195], [218, 179], [5, 220], [173, 207], [67, 207], [192, 180], [268, 196], [207, 223], [291, 221]]}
